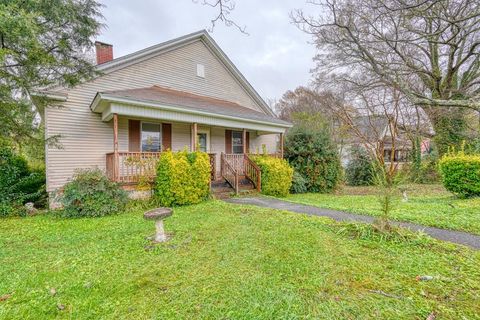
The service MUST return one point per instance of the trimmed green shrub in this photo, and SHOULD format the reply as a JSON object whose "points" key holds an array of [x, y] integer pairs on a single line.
{"points": [[276, 175], [313, 155], [182, 178], [19, 184], [461, 174], [299, 183], [91, 194], [359, 170]]}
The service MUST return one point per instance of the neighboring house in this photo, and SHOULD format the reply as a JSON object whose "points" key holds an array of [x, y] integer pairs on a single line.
{"points": [[183, 93], [374, 131]]}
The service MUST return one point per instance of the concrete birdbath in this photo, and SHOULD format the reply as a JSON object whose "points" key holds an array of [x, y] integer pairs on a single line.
{"points": [[158, 215]]}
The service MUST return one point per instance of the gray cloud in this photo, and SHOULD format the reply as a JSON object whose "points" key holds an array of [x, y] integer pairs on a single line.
{"points": [[275, 57]]}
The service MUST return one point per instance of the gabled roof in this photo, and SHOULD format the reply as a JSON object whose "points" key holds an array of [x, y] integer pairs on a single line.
{"points": [[201, 35], [188, 102]]}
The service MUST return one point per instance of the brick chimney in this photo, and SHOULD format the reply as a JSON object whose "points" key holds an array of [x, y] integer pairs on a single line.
{"points": [[104, 52]]}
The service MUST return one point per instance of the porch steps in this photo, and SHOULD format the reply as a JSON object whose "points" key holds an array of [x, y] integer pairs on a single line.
{"points": [[222, 190]]}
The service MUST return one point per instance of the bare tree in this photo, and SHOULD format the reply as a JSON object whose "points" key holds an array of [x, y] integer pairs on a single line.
{"points": [[225, 8], [429, 50], [378, 117], [304, 99], [315, 107]]}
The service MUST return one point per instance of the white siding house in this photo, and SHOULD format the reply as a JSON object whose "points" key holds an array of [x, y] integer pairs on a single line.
{"points": [[220, 101]]}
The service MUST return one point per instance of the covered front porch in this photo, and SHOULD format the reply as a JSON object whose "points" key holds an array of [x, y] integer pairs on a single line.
{"points": [[229, 133]]}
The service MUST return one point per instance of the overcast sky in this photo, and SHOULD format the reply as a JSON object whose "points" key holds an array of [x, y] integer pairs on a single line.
{"points": [[274, 57]]}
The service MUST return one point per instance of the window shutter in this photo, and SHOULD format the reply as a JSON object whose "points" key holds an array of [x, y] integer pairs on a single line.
{"points": [[228, 141], [134, 135], [247, 143], [166, 136]]}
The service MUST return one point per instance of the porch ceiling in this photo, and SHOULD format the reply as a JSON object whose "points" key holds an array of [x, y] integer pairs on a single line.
{"points": [[172, 105]]}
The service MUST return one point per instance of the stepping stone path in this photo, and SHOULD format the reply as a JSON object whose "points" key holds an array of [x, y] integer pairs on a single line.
{"points": [[158, 215]]}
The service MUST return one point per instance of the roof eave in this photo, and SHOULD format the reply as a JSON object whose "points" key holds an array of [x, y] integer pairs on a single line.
{"points": [[100, 98], [50, 95]]}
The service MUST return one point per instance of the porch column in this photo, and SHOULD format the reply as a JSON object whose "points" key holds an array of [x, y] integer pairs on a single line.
{"points": [[244, 140], [116, 157], [193, 144], [281, 145]]}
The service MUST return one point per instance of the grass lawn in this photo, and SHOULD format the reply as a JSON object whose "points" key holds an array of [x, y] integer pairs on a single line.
{"points": [[430, 205], [228, 262]]}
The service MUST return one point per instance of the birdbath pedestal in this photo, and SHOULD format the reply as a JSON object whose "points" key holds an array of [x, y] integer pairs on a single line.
{"points": [[158, 215]]}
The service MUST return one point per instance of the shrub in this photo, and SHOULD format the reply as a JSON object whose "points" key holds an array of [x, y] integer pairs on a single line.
{"points": [[276, 175], [313, 155], [428, 172], [182, 178], [19, 184], [359, 170], [91, 194], [299, 183], [461, 174]]}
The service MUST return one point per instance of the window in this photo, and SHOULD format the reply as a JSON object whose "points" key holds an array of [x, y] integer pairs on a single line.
{"points": [[237, 141], [203, 140], [387, 155], [399, 156], [151, 137], [200, 70]]}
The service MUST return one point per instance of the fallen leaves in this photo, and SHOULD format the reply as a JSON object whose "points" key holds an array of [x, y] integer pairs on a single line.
{"points": [[5, 297], [432, 316]]}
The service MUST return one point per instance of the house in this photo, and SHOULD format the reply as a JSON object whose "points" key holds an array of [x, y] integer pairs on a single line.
{"points": [[183, 93], [374, 133]]}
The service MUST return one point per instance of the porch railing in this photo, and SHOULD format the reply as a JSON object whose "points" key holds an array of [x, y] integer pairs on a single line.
{"points": [[133, 167], [236, 161]]}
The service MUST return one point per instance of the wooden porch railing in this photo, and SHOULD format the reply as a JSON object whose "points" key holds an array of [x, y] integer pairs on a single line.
{"points": [[134, 166], [236, 161], [253, 172], [228, 172]]}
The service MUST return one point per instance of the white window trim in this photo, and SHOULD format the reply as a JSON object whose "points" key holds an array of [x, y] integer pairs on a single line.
{"points": [[207, 131], [141, 130]]}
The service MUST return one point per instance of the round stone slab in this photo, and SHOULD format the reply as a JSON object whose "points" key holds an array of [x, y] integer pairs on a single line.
{"points": [[158, 214]]}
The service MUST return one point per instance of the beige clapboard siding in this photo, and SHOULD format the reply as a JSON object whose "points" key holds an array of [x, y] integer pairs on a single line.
{"points": [[85, 139]]}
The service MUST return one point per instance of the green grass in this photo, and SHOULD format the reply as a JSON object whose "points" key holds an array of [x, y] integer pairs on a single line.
{"points": [[429, 205], [228, 262]]}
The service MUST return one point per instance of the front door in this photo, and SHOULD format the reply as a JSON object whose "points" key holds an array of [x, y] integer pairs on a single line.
{"points": [[203, 140]]}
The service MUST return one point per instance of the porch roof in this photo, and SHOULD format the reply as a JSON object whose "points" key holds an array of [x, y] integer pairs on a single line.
{"points": [[182, 106]]}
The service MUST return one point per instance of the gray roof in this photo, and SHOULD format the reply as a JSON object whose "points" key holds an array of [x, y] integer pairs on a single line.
{"points": [[191, 101]]}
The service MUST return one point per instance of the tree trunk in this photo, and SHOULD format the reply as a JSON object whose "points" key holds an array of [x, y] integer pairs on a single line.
{"points": [[449, 125]]}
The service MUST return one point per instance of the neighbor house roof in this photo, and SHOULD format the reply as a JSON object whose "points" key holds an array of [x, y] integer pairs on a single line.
{"points": [[157, 96]]}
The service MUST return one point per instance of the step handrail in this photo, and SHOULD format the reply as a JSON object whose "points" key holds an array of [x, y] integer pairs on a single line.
{"points": [[252, 172], [229, 173]]}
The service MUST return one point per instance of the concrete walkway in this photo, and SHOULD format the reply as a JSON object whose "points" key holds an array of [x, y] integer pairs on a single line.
{"points": [[458, 237]]}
